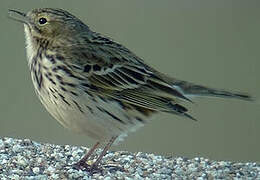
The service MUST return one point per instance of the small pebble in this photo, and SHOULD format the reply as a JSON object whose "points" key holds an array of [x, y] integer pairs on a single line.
{"points": [[21, 160], [26, 159], [36, 170]]}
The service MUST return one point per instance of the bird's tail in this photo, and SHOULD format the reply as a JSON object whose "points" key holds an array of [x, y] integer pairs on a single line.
{"points": [[190, 89]]}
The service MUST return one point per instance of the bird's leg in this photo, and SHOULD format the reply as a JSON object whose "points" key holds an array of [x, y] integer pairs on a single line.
{"points": [[95, 164], [82, 162]]}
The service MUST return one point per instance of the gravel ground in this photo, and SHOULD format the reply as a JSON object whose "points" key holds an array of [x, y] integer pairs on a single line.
{"points": [[26, 159]]}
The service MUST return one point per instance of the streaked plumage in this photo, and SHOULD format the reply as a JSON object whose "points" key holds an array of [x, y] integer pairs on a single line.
{"points": [[94, 85]]}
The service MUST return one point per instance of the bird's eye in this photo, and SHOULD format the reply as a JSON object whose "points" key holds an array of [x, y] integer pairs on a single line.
{"points": [[42, 21]]}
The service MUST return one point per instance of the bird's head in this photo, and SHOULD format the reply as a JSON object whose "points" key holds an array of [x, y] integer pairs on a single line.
{"points": [[49, 23]]}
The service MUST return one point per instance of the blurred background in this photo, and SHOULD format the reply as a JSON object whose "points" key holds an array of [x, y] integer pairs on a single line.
{"points": [[214, 43]]}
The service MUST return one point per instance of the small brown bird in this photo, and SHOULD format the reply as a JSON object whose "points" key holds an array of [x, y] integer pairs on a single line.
{"points": [[95, 86]]}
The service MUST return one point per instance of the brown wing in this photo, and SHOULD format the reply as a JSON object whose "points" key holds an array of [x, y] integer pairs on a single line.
{"points": [[116, 72]]}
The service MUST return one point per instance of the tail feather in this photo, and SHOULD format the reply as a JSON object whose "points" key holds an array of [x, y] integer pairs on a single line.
{"points": [[180, 110], [190, 89]]}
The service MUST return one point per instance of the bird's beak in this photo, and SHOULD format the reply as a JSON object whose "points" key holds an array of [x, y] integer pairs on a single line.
{"points": [[18, 16]]}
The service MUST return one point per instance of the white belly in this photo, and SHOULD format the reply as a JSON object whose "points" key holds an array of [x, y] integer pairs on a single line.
{"points": [[83, 115], [89, 118]]}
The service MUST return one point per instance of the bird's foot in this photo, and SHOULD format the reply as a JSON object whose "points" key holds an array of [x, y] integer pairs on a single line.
{"points": [[92, 169]]}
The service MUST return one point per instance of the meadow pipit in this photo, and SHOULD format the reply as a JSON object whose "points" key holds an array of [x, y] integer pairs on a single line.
{"points": [[95, 86]]}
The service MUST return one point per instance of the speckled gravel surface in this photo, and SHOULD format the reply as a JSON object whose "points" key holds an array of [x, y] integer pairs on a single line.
{"points": [[26, 159]]}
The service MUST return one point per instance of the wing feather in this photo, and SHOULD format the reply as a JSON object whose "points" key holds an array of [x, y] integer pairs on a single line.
{"points": [[118, 73]]}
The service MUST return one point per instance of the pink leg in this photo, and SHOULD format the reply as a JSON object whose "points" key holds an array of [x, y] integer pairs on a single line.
{"points": [[82, 162], [111, 141]]}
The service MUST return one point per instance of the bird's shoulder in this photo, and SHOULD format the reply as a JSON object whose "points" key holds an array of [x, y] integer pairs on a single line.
{"points": [[94, 48]]}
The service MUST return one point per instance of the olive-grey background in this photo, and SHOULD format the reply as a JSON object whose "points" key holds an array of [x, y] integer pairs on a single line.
{"points": [[215, 43]]}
